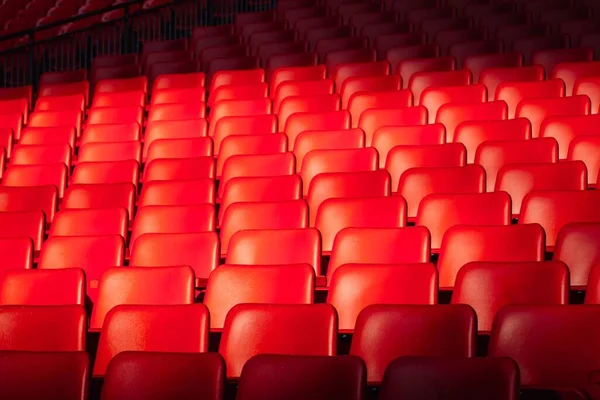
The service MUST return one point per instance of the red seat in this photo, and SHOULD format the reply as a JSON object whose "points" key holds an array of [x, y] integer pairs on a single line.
{"points": [[90, 222], [577, 246], [536, 110], [177, 193], [566, 128], [519, 179], [42, 287], [327, 140], [314, 121], [416, 183], [489, 286], [362, 101], [373, 119], [110, 195], [260, 189], [26, 224], [239, 92], [478, 63], [292, 88], [245, 125], [41, 154], [179, 81], [453, 114], [45, 119], [307, 104], [440, 212], [129, 84], [398, 52], [350, 289], [173, 328], [262, 165], [62, 374], [136, 98], [140, 286], [111, 133], [16, 106], [32, 198], [46, 136], [409, 67], [176, 112], [339, 160], [423, 378], [282, 376], [146, 374], [402, 158], [295, 74], [178, 95], [554, 209], [229, 286], [236, 78], [106, 172], [433, 98], [591, 88], [180, 168], [14, 122], [415, 330], [356, 55], [252, 329], [249, 145], [422, 80], [514, 92], [571, 72], [347, 185], [58, 103], [237, 108], [291, 214], [115, 151], [358, 70], [493, 155], [335, 214], [42, 328], [552, 57], [180, 148], [544, 340], [17, 254], [587, 149], [200, 251], [356, 85], [492, 78], [37, 175], [373, 246]]}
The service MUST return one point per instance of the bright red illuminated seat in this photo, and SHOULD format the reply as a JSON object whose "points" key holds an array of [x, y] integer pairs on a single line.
{"points": [[27, 224], [178, 192], [37, 175], [122, 85], [135, 98], [41, 154], [492, 78], [489, 286], [230, 285], [453, 114], [46, 136], [176, 112], [239, 92], [12, 123], [246, 125], [179, 81], [44, 119], [299, 74], [90, 222], [358, 70], [386, 332], [591, 88], [402, 158], [175, 96], [250, 145], [457, 378], [106, 172], [536, 110], [552, 57], [587, 149], [237, 108], [433, 98], [295, 60], [514, 92], [422, 80], [478, 63], [362, 101], [25, 328], [354, 85], [111, 133], [57, 103], [440, 212], [373, 119], [180, 148], [314, 121], [109, 195], [16, 106], [577, 246], [571, 72], [17, 255], [239, 77], [252, 329], [351, 288], [519, 179], [409, 67], [307, 104], [151, 325], [327, 140], [43, 287], [293, 88], [110, 151], [166, 169]]}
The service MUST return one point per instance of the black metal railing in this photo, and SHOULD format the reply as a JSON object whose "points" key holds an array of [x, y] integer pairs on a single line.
{"points": [[47, 48]]}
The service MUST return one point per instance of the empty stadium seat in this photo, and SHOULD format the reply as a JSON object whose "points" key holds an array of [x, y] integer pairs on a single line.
{"points": [[165, 169], [110, 133], [111, 195], [513, 92], [37, 175], [576, 246], [314, 121], [180, 148], [43, 287], [587, 149], [90, 222], [536, 110], [493, 78], [326, 140], [177, 192], [453, 114], [116, 151], [249, 145], [433, 98], [26, 224], [566, 128]]}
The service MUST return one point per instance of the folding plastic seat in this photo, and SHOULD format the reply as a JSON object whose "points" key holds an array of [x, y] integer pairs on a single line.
{"points": [[63, 77], [307, 104], [315, 121], [440, 212], [238, 284], [373, 119], [110, 133], [292, 88], [250, 145], [266, 375], [416, 183], [230, 64], [238, 108], [519, 179], [489, 286], [349, 10], [356, 55], [26, 224], [281, 75], [17, 254], [587, 149], [150, 324], [538, 109], [347, 185], [356, 69], [42, 287], [453, 114], [179, 81], [550, 58], [62, 374], [268, 50], [295, 60], [47, 136], [424, 330], [106, 172], [464, 50], [210, 54], [58, 103], [493, 62], [126, 84], [554, 209], [41, 154], [435, 97], [402, 158], [109, 195], [359, 85], [364, 19], [257, 39], [176, 112], [396, 283], [189, 128], [177, 192], [239, 77], [37, 175], [398, 53], [245, 333], [170, 63], [493, 78], [397, 36], [16, 106], [591, 88], [577, 246], [44, 119], [180, 168], [135, 98], [408, 67], [339, 160], [544, 355], [571, 72], [493, 155], [423, 378], [532, 44], [514, 92], [90, 222], [327, 140], [11, 125], [105, 152], [180, 148], [330, 44], [21, 92], [160, 46], [239, 92], [22, 327], [363, 101]]}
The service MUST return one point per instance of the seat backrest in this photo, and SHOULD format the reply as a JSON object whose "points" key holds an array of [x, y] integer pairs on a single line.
{"points": [[360, 102], [373, 119], [106, 172], [43, 287], [111, 195], [422, 80], [116, 151], [536, 110], [172, 328], [359, 84], [177, 112], [587, 149], [166, 169], [453, 114], [120, 99], [252, 329], [111, 133], [37, 175], [116, 115], [230, 285], [352, 288], [489, 286], [513, 92], [42, 328], [249, 145], [292, 88], [435, 97], [183, 129], [314, 121], [577, 246], [90, 222], [308, 141], [309, 73], [17, 253], [25, 224], [416, 330], [564, 129], [62, 373], [269, 376], [463, 244], [239, 108], [422, 378], [178, 192]]}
